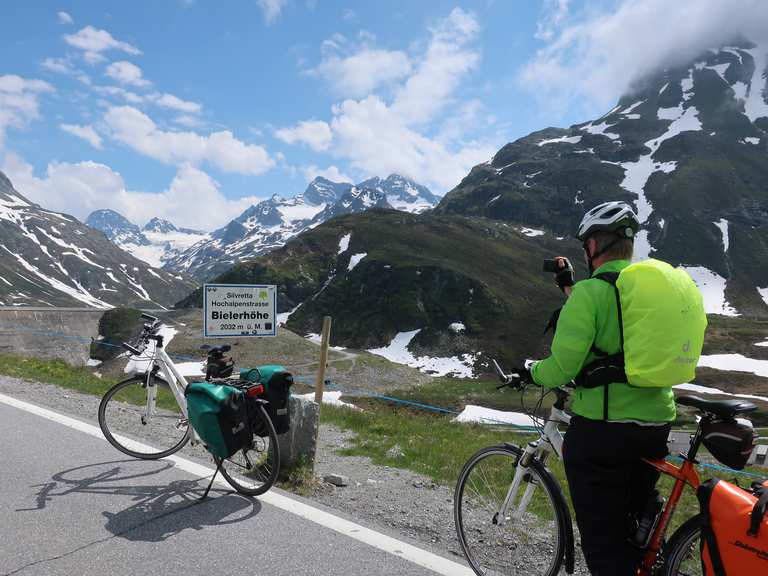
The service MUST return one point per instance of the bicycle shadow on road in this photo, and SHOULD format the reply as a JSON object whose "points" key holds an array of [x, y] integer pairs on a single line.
{"points": [[161, 509]]}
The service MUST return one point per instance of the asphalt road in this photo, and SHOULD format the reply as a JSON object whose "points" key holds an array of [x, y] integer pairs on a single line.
{"points": [[72, 505]]}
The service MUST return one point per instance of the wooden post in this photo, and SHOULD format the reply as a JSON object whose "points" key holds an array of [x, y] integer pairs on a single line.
{"points": [[324, 342]]}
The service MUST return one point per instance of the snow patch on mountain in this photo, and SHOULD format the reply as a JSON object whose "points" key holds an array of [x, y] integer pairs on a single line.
{"points": [[722, 225], [344, 242], [712, 287], [755, 105], [763, 294], [354, 260], [563, 139], [397, 351]]}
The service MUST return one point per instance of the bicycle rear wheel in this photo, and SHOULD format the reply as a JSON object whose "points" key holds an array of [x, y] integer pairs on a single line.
{"points": [[253, 470], [682, 553], [131, 426], [531, 536]]}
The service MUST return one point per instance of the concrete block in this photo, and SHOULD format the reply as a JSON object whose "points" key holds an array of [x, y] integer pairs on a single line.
{"points": [[299, 444]]}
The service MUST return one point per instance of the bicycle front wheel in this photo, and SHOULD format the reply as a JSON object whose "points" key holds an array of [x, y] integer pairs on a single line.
{"points": [[682, 554], [253, 470], [528, 535], [141, 418]]}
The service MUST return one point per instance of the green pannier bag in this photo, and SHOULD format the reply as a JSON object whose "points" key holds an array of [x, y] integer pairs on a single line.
{"points": [[277, 382], [219, 415], [661, 322]]}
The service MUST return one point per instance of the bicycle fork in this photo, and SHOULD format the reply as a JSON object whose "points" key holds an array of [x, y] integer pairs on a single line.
{"points": [[521, 474]]}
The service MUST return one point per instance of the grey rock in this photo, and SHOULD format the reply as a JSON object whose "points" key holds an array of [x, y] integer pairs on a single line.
{"points": [[336, 479], [299, 444]]}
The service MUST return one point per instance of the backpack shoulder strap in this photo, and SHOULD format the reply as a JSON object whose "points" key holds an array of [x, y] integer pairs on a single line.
{"points": [[610, 277]]}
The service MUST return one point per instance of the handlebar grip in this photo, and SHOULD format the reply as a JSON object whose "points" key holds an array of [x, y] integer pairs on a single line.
{"points": [[131, 349]]}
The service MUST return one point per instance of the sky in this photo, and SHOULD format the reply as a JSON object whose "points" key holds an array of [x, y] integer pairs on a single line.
{"points": [[193, 110]]}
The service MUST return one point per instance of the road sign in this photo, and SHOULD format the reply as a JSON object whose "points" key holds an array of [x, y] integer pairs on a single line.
{"points": [[239, 310]]}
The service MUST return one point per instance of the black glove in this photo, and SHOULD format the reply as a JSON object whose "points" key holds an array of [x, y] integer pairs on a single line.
{"points": [[564, 275], [519, 377]]}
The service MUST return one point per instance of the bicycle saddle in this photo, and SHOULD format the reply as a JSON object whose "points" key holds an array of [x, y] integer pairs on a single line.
{"points": [[212, 349], [723, 408]]}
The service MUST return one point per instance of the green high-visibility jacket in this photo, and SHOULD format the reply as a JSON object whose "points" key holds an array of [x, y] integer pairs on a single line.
{"points": [[589, 315]]}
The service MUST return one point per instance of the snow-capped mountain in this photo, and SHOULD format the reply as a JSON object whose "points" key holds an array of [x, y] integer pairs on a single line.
{"points": [[116, 227], [270, 223], [402, 193], [687, 146], [52, 259], [155, 244]]}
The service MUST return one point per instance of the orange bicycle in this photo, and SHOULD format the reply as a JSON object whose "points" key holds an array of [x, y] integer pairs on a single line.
{"points": [[512, 518]]}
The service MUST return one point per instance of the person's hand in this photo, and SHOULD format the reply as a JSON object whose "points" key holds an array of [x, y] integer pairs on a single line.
{"points": [[564, 274], [519, 377]]}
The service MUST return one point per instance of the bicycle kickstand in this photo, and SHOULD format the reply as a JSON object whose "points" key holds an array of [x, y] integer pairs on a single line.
{"points": [[218, 467]]}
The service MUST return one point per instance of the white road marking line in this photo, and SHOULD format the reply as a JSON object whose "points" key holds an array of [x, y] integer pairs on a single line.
{"points": [[365, 535]]}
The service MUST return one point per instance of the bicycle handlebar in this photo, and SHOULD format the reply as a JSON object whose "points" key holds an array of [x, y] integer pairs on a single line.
{"points": [[131, 349]]}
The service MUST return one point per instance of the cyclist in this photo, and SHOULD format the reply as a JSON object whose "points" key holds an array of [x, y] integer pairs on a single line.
{"points": [[613, 425]]}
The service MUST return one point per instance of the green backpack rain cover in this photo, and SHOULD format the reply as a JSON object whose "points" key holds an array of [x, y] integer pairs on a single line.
{"points": [[663, 318], [219, 415]]}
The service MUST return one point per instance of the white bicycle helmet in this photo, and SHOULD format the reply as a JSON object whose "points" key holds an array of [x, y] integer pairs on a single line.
{"points": [[617, 217]]}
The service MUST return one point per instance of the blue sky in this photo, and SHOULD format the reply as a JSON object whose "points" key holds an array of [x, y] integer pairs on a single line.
{"points": [[192, 110]]}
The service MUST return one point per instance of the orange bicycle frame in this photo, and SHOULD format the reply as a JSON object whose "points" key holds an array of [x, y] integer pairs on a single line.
{"points": [[684, 474]]}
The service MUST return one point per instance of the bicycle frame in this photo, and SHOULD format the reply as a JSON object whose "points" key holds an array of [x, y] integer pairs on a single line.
{"points": [[684, 474], [176, 382]]}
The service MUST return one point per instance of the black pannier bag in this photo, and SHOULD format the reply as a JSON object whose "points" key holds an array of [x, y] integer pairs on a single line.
{"points": [[217, 365], [730, 441], [277, 382]]}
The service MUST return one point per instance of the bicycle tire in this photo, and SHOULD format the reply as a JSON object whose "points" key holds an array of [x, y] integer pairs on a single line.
{"points": [[121, 414], [254, 469], [544, 557], [682, 554]]}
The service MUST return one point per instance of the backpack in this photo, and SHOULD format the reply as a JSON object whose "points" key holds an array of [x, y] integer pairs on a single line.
{"points": [[220, 415], [277, 382], [661, 325], [734, 533]]}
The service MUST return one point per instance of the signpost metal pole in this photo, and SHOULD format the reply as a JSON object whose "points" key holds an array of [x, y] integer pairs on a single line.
{"points": [[324, 342]]}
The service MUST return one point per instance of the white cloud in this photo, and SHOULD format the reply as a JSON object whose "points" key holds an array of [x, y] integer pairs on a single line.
{"points": [[58, 65], [412, 134], [19, 101], [87, 133], [189, 121], [271, 9], [83, 187], [221, 149], [599, 54], [176, 103], [360, 73], [447, 61], [315, 133], [93, 41], [555, 13], [376, 140], [127, 73], [332, 173], [126, 95], [64, 18]]}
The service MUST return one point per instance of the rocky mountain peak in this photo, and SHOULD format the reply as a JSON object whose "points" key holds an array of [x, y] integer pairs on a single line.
{"points": [[116, 227], [159, 225], [324, 191]]}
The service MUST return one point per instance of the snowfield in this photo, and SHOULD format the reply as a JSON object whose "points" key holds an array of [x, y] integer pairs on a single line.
{"points": [[398, 352]]}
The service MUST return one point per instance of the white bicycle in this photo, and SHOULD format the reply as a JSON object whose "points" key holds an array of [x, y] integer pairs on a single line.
{"points": [[145, 416], [511, 516]]}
